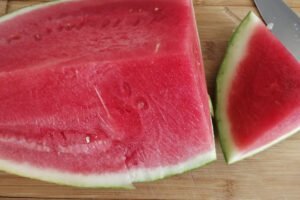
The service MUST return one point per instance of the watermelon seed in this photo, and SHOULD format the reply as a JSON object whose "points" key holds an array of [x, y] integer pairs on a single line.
{"points": [[60, 28], [87, 139], [13, 38], [157, 18], [64, 54], [119, 109], [117, 23], [136, 22], [141, 103], [81, 24], [126, 89], [70, 74], [69, 27], [157, 48], [48, 30], [63, 135], [37, 37], [128, 110]]}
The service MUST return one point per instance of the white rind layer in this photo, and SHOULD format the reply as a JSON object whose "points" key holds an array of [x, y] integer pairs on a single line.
{"points": [[235, 53], [237, 157], [118, 180]]}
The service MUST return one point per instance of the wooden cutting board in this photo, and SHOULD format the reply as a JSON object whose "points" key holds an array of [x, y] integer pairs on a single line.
{"points": [[271, 175]]}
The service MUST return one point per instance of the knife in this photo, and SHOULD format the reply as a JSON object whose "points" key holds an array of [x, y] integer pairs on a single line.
{"points": [[283, 22]]}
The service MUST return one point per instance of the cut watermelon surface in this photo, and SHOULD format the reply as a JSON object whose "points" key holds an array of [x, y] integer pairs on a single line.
{"points": [[258, 92], [103, 93]]}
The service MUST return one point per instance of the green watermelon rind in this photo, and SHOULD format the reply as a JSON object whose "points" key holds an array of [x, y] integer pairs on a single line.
{"points": [[234, 54], [97, 180], [146, 175], [114, 180], [239, 34], [211, 107], [256, 151]]}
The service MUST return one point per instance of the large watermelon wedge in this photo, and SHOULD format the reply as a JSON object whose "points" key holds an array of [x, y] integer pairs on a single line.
{"points": [[258, 92], [103, 93]]}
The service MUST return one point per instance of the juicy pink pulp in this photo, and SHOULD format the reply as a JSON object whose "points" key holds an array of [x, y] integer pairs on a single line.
{"points": [[264, 99], [103, 86]]}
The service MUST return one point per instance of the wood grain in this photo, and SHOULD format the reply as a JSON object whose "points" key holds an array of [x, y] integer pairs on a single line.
{"points": [[271, 175], [3, 7]]}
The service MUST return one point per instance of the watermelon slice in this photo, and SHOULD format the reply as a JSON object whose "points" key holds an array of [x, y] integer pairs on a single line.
{"points": [[258, 92], [103, 93]]}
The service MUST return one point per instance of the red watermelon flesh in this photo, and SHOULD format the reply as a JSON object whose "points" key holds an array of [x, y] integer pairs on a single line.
{"points": [[103, 93], [263, 93]]}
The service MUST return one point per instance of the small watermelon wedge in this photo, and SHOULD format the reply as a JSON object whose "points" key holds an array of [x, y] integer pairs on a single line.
{"points": [[103, 93], [258, 92]]}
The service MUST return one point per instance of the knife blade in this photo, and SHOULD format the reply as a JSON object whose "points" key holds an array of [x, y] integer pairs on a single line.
{"points": [[283, 22]]}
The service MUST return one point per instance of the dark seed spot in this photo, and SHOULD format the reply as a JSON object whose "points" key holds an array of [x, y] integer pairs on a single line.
{"points": [[79, 26], [69, 27], [126, 89], [48, 30], [105, 23], [117, 23], [157, 18], [128, 110], [136, 22], [63, 135], [13, 38], [60, 28]]}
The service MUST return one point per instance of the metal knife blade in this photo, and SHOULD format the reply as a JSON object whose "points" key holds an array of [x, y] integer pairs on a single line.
{"points": [[283, 22]]}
